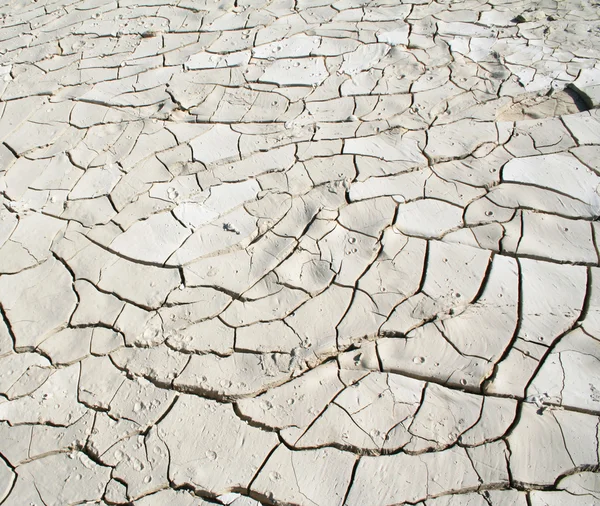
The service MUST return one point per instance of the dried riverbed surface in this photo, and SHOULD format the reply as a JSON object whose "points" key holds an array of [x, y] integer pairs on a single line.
{"points": [[299, 252]]}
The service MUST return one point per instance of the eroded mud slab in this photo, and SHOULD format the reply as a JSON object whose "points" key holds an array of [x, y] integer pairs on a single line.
{"points": [[299, 253]]}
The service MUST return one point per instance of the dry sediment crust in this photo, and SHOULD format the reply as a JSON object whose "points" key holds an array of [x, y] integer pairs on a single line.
{"points": [[299, 252]]}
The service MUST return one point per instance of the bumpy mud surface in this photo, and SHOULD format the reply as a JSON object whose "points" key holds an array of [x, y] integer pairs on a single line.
{"points": [[299, 252]]}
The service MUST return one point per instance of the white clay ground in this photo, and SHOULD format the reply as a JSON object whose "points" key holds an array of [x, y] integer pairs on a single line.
{"points": [[299, 252]]}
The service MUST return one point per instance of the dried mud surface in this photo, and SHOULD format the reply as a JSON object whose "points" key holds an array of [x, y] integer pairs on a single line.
{"points": [[299, 253]]}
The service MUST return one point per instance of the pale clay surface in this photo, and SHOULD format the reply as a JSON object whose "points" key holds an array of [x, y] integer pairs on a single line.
{"points": [[299, 252]]}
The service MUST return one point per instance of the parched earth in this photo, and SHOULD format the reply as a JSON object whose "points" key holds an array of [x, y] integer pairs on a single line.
{"points": [[299, 252]]}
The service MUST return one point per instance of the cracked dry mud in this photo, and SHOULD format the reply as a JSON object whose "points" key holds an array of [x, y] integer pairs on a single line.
{"points": [[299, 252]]}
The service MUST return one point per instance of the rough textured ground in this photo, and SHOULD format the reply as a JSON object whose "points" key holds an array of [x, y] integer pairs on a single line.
{"points": [[307, 253]]}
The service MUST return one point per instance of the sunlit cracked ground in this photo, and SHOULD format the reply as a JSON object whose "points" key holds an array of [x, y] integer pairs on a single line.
{"points": [[302, 253]]}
